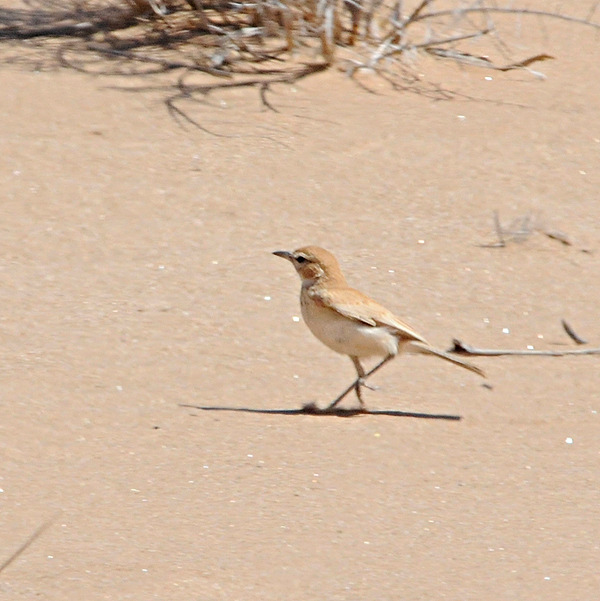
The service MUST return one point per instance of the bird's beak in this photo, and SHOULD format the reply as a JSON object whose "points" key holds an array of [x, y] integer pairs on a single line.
{"points": [[284, 254]]}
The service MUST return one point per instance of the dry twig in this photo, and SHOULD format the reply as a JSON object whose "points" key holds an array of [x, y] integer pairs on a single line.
{"points": [[521, 228], [36, 534], [461, 348], [571, 333]]}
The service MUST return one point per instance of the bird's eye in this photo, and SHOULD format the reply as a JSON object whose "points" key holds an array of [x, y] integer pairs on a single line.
{"points": [[301, 259]]}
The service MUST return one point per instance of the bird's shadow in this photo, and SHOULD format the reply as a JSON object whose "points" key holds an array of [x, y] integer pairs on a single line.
{"points": [[312, 409]]}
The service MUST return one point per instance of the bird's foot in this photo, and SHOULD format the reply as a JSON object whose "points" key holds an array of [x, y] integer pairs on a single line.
{"points": [[363, 382]]}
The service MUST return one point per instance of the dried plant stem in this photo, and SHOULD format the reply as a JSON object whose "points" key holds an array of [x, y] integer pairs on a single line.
{"points": [[512, 11], [26, 544], [461, 348]]}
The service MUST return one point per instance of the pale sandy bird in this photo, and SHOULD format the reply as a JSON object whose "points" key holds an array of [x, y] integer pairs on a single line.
{"points": [[351, 323]]}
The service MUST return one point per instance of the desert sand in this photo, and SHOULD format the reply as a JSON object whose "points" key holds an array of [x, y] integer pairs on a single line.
{"points": [[153, 363]]}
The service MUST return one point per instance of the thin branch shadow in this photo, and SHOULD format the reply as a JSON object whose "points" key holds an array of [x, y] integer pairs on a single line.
{"points": [[311, 409]]}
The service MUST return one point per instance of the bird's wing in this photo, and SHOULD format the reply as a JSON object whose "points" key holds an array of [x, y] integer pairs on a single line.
{"points": [[357, 306]]}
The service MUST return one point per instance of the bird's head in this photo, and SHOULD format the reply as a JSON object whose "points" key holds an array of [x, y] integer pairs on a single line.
{"points": [[314, 264]]}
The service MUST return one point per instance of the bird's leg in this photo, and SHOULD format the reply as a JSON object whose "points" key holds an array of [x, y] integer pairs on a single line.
{"points": [[380, 364], [360, 381], [360, 372]]}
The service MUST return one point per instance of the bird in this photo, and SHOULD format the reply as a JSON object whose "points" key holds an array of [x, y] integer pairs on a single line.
{"points": [[351, 323]]}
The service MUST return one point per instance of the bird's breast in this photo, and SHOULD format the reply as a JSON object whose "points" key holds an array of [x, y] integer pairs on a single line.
{"points": [[345, 335]]}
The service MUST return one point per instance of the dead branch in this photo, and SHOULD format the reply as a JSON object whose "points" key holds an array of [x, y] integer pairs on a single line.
{"points": [[31, 539], [558, 236], [461, 348], [487, 10], [571, 333], [263, 97], [483, 61], [521, 229], [499, 232], [187, 91], [165, 64]]}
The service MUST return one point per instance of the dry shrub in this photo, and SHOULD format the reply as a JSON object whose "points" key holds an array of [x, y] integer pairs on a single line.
{"points": [[258, 42]]}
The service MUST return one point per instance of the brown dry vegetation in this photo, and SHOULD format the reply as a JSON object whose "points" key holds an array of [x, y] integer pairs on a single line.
{"points": [[265, 41]]}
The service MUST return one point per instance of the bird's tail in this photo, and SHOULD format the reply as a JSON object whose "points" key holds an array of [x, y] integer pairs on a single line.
{"points": [[425, 349]]}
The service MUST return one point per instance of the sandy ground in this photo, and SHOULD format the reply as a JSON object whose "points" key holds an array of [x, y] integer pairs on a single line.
{"points": [[151, 364]]}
